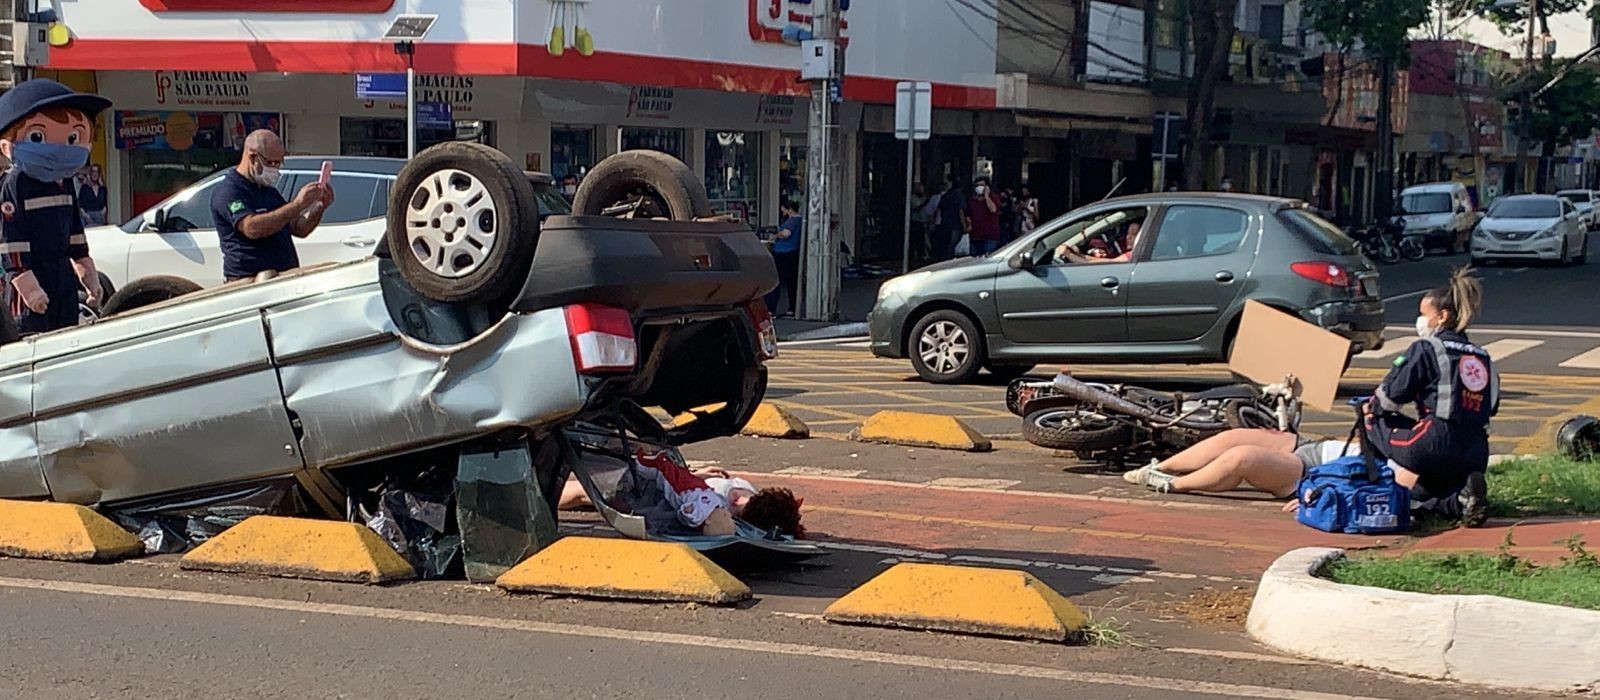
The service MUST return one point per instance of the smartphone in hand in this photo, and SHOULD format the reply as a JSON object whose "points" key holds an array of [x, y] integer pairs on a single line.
{"points": [[327, 172]]}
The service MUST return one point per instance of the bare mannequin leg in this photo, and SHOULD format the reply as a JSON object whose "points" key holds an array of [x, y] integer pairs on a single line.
{"points": [[1275, 471], [1209, 449]]}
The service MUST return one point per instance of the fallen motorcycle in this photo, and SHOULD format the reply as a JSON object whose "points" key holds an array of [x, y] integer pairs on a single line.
{"points": [[1121, 425]]}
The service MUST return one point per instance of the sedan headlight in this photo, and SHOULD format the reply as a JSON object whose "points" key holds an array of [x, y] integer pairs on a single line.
{"points": [[1547, 233], [901, 284]]}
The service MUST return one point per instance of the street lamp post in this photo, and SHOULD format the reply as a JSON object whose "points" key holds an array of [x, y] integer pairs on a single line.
{"points": [[404, 33]]}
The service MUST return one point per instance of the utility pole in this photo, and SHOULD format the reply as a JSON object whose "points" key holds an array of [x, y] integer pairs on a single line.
{"points": [[1383, 200], [1525, 108], [819, 282]]}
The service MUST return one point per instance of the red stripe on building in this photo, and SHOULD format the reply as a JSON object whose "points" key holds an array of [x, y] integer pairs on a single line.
{"points": [[476, 59]]}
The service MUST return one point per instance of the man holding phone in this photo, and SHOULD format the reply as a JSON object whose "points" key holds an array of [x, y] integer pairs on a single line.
{"points": [[256, 227]]}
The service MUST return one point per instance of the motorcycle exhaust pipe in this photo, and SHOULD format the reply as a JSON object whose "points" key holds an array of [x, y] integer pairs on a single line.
{"points": [[1081, 391]]}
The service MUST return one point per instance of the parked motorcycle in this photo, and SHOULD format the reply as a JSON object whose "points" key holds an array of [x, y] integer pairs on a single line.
{"points": [[1121, 425], [1388, 243]]}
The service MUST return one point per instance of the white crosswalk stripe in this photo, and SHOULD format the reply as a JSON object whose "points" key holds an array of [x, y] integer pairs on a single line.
{"points": [[1506, 347], [1588, 360], [1393, 346]]}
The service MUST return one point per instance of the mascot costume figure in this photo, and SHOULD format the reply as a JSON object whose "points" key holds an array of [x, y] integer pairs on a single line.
{"points": [[45, 130]]}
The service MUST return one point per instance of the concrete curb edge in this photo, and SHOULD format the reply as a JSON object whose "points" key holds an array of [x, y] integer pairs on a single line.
{"points": [[1478, 639]]}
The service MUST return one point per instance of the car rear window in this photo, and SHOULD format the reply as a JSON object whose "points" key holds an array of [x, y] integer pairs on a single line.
{"points": [[1317, 232]]}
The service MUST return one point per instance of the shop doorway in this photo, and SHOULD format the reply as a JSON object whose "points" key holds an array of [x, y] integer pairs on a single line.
{"points": [[386, 138]]}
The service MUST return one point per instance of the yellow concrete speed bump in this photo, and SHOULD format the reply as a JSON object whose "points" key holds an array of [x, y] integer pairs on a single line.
{"points": [[63, 532], [324, 550], [770, 421], [921, 430], [971, 600], [595, 567]]}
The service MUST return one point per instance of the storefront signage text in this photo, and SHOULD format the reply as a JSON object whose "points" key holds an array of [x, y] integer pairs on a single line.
{"points": [[650, 102], [454, 90], [182, 131], [769, 17], [775, 109], [202, 88]]}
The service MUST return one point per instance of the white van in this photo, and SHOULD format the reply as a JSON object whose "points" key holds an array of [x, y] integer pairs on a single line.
{"points": [[1442, 213]]}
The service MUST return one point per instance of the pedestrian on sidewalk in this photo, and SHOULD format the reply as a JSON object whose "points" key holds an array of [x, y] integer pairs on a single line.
{"points": [[949, 223], [786, 255], [1441, 455], [92, 197], [1028, 209], [984, 212], [923, 208]]}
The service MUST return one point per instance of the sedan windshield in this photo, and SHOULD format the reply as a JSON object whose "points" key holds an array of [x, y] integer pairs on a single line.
{"points": [[1426, 203], [1526, 209]]}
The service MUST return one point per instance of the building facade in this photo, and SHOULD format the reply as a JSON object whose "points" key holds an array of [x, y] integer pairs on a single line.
{"points": [[555, 84]]}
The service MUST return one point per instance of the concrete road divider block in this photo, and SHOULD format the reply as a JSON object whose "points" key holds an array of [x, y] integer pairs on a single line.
{"points": [[969, 600], [323, 550], [921, 430], [770, 421], [595, 567], [62, 532]]}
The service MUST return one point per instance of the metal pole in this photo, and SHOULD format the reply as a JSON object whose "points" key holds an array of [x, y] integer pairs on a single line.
{"points": [[820, 285], [911, 159], [1524, 121], [411, 107]]}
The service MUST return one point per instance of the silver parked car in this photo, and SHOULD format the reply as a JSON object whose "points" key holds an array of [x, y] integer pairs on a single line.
{"points": [[1177, 272], [1531, 227], [472, 321]]}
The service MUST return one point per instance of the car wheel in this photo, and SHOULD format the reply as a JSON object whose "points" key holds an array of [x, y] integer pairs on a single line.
{"points": [[642, 184], [1583, 251], [1074, 429], [946, 348], [1008, 372], [147, 291], [463, 224]]}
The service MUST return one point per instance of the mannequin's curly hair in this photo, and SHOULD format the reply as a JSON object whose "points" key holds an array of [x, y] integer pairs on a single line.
{"points": [[775, 509]]}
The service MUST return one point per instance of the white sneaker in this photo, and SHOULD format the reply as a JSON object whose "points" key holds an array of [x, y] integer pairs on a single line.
{"points": [[1137, 476]]}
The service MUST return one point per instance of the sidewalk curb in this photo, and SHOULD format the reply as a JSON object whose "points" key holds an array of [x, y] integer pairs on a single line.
{"points": [[842, 330], [1479, 639]]}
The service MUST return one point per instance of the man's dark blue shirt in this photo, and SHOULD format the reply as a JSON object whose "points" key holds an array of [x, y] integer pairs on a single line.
{"points": [[233, 200]]}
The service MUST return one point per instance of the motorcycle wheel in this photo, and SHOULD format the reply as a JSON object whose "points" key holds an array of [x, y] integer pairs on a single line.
{"points": [[1412, 249], [1388, 254], [1243, 414], [1074, 430]]}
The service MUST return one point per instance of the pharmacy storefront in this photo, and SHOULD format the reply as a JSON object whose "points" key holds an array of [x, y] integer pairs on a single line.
{"points": [[555, 88]]}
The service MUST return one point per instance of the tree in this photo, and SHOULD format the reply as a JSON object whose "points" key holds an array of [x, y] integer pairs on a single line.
{"points": [[1561, 114], [1381, 28], [1212, 30]]}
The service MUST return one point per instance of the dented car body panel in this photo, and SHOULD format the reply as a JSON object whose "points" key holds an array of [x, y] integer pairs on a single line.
{"points": [[305, 371]]}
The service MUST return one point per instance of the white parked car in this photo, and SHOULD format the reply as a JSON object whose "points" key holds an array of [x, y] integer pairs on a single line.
{"points": [[1531, 227], [177, 239], [1440, 213], [1585, 201]]}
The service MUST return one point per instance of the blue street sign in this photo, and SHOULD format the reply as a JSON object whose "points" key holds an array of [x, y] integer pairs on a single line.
{"points": [[380, 86], [435, 115]]}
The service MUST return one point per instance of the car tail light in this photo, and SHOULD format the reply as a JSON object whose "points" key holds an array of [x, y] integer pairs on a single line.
{"points": [[602, 338], [766, 330], [1330, 274]]}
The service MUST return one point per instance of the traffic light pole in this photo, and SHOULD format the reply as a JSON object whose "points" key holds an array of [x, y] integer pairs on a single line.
{"points": [[1384, 196], [819, 282]]}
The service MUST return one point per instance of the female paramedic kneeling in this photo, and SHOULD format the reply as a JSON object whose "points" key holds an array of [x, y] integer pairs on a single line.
{"points": [[1441, 455]]}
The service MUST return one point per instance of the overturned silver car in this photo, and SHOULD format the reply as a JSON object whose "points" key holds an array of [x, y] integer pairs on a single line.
{"points": [[474, 321]]}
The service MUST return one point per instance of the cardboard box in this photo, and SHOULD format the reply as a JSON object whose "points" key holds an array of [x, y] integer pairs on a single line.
{"points": [[1272, 345]]}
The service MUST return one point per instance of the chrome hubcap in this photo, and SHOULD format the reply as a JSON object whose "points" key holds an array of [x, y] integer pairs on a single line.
{"points": [[944, 347], [451, 223]]}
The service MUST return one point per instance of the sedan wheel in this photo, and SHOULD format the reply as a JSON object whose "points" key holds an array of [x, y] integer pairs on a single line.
{"points": [[946, 348], [452, 224]]}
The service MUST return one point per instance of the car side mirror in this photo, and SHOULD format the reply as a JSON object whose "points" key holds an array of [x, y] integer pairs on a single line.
{"points": [[160, 220], [1022, 260]]}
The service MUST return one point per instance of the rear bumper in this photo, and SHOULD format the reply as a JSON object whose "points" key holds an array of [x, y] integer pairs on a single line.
{"points": [[1360, 321]]}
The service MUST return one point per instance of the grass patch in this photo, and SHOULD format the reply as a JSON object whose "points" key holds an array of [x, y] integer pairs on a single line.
{"points": [[1548, 485], [1574, 581], [1105, 632]]}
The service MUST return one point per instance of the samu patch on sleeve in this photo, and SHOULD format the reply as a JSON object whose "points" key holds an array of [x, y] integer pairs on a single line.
{"points": [[235, 207], [1399, 360]]}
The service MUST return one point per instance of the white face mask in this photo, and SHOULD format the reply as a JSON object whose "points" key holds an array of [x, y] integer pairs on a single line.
{"points": [[268, 177], [1424, 327], [981, 190]]}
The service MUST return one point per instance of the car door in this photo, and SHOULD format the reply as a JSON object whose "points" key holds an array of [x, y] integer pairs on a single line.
{"points": [[1570, 228], [187, 245], [162, 400], [1191, 272], [20, 476], [1060, 303], [351, 228]]}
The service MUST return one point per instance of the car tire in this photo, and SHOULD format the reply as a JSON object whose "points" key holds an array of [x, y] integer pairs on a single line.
{"points": [[1074, 430], [482, 254], [1009, 372], [147, 291], [1583, 252], [656, 184], [951, 343]]}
